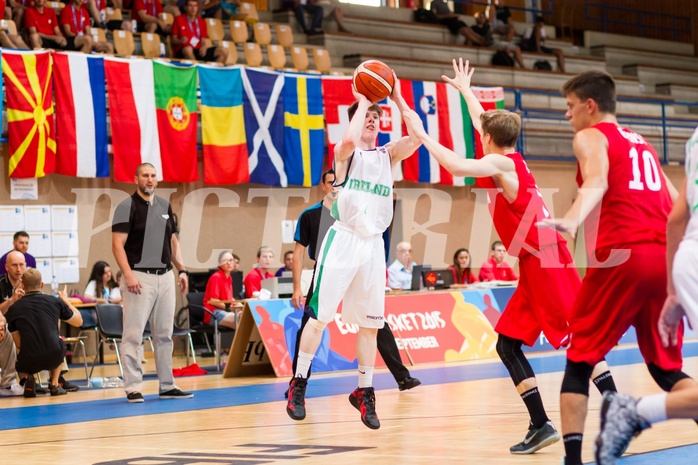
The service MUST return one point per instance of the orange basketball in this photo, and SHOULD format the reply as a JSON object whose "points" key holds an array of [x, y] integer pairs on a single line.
{"points": [[374, 79]]}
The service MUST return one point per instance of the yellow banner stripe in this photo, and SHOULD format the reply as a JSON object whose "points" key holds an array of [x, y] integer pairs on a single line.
{"points": [[16, 157], [32, 76], [18, 115], [9, 72]]}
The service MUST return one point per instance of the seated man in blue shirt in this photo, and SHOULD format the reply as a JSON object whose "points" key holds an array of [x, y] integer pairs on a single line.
{"points": [[400, 271]]}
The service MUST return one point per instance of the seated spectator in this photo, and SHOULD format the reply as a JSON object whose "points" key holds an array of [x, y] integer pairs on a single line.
{"points": [[300, 8], [211, 9], [534, 40], [102, 288], [20, 243], [495, 268], [219, 288], [18, 7], [400, 271], [499, 17], [8, 40], [188, 32], [482, 28], [98, 12], [147, 16], [462, 272], [33, 322], [331, 8], [75, 22], [44, 32], [288, 263], [253, 280], [453, 23]]}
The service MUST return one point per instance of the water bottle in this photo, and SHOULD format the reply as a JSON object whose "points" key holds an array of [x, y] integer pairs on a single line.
{"points": [[162, 50], [134, 26], [54, 285], [103, 383]]}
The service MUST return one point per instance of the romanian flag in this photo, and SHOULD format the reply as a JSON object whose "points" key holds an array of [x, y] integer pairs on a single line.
{"points": [[304, 130], [30, 125], [178, 118], [222, 126]]}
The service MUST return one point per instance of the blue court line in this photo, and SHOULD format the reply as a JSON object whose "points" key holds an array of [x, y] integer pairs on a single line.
{"points": [[675, 455], [75, 412]]}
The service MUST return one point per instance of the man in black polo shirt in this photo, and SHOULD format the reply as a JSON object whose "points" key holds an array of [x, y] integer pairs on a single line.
{"points": [[313, 224], [32, 320], [145, 247]]}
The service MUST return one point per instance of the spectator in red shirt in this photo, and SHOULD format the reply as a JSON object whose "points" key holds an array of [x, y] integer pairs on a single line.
{"points": [[98, 12], [75, 22], [147, 15], [495, 268], [8, 40], [253, 280], [43, 31], [219, 288], [188, 34]]}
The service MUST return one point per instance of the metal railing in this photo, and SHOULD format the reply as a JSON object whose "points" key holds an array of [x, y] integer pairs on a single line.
{"points": [[663, 123]]}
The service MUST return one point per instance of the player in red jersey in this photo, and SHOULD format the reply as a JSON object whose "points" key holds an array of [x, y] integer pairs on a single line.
{"points": [[624, 200], [549, 281]]}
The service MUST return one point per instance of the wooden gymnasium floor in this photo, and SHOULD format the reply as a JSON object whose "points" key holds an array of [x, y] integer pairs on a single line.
{"points": [[463, 413]]}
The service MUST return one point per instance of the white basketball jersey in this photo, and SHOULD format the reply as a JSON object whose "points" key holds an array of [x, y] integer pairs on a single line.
{"points": [[692, 185], [365, 202]]}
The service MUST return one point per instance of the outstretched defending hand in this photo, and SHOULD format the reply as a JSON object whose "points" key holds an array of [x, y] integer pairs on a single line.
{"points": [[669, 320], [463, 73], [414, 124], [560, 224]]}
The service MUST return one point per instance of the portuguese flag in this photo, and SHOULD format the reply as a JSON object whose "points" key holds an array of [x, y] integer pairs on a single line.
{"points": [[177, 117]]}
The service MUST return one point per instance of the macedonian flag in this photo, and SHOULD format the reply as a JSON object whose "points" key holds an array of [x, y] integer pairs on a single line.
{"points": [[30, 125]]}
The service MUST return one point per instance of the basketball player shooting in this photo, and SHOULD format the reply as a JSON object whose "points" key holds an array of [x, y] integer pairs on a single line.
{"points": [[549, 281], [351, 260]]}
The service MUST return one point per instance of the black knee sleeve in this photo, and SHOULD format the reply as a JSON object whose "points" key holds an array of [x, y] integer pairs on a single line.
{"points": [[576, 380], [512, 356], [665, 379]]}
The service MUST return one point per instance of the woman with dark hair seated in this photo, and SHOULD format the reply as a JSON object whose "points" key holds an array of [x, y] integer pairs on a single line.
{"points": [[102, 288], [462, 273]]}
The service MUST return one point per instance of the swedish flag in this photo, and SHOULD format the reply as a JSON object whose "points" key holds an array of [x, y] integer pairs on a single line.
{"points": [[304, 131]]}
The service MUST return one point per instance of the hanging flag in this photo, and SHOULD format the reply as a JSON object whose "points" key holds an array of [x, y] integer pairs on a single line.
{"points": [[30, 126], [304, 130], [81, 129], [264, 126], [134, 128], [422, 96], [390, 129], [222, 128], [178, 118], [336, 92]]}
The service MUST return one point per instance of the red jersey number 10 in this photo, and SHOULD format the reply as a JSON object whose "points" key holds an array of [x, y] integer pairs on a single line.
{"points": [[652, 179]]}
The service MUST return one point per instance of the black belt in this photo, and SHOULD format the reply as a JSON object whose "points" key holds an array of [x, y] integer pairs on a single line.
{"points": [[157, 271]]}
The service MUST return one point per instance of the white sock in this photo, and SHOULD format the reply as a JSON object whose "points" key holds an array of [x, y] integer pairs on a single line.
{"points": [[653, 408], [303, 365], [365, 376]]}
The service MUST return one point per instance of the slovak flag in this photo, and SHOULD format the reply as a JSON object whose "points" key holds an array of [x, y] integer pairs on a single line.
{"points": [[445, 117], [81, 131]]}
